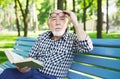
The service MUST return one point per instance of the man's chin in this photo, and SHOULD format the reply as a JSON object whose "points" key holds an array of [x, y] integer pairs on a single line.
{"points": [[59, 34]]}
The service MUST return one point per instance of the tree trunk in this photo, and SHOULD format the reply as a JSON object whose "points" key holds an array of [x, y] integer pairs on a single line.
{"points": [[26, 20], [107, 20], [73, 11], [60, 4], [84, 12], [17, 18], [84, 15], [25, 17], [25, 26], [99, 19]]}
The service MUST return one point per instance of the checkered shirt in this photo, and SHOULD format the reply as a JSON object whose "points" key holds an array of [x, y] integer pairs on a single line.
{"points": [[57, 55]]}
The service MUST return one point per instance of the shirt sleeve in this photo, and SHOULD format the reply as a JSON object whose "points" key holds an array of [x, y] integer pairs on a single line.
{"points": [[82, 45]]}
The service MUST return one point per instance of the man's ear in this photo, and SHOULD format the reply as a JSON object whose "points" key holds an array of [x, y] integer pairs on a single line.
{"points": [[48, 23]]}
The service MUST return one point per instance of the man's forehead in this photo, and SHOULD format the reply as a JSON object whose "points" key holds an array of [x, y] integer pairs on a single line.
{"points": [[57, 11]]}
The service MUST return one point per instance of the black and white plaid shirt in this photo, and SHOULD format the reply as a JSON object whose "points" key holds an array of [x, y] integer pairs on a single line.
{"points": [[57, 55]]}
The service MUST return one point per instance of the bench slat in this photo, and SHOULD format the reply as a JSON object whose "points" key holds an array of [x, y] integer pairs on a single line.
{"points": [[72, 75], [26, 38], [108, 63], [106, 42], [10, 65], [106, 74], [22, 48], [25, 43], [103, 51], [24, 54]]}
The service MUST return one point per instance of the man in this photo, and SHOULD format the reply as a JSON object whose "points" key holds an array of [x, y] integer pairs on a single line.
{"points": [[55, 48]]}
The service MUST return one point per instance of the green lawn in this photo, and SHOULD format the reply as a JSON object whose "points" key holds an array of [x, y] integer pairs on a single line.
{"points": [[7, 40], [105, 36]]}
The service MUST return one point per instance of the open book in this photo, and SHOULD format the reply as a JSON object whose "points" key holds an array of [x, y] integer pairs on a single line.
{"points": [[20, 61]]}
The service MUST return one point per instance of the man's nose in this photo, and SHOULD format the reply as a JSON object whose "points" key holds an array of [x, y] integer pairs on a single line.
{"points": [[57, 20]]}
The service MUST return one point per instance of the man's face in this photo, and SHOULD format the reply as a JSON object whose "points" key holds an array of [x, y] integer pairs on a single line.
{"points": [[58, 23]]}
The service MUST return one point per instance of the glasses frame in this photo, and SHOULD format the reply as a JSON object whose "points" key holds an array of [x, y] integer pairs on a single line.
{"points": [[57, 14]]}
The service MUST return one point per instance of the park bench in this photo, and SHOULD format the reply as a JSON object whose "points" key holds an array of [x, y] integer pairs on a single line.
{"points": [[103, 62]]}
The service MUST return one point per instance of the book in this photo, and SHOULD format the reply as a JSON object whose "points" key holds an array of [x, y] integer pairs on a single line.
{"points": [[20, 61]]}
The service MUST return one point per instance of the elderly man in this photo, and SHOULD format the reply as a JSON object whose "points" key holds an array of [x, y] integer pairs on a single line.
{"points": [[55, 48]]}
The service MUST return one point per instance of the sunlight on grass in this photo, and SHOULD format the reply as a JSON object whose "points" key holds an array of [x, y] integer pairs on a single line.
{"points": [[112, 35]]}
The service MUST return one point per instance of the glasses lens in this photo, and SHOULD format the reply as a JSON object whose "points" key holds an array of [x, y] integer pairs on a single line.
{"points": [[61, 14]]}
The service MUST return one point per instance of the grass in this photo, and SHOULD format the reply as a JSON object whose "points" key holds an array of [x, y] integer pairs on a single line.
{"points": [[111, 35], [7, 40]]}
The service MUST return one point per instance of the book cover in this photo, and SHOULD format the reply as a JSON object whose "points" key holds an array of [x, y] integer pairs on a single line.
{"points": [[20, 61]]}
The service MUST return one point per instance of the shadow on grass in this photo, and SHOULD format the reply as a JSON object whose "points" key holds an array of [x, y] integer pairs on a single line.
{"points": [[3, 57], [3, 60], [7, 45], [8, 38]]}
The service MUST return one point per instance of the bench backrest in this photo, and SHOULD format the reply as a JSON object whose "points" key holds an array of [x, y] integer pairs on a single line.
{"points": [[23, 45], [102, 62]]}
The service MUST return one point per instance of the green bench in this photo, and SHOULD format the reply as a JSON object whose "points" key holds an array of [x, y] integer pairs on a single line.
{"points": [[103, 62]]}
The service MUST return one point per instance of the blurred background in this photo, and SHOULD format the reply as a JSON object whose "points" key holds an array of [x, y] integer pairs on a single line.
{"points": [[31, 15], [99, 18]]}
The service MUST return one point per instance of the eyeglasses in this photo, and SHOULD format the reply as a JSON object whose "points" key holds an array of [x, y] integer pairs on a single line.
{"points": [[54, 15], [61, 15]]}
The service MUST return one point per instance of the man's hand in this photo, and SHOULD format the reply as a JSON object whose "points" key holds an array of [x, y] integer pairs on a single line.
{"points": [[72, 17], [24, 69], [81, 35]]}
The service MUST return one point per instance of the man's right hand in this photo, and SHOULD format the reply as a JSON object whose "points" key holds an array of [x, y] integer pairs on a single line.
{"points": [[24, 69]]}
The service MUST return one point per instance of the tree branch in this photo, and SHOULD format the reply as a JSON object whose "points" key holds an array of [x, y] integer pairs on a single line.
{"points": [[89, 4], [21, 8]]}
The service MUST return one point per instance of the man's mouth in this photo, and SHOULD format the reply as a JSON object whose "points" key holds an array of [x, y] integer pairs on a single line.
{"points": [[57, 29]]}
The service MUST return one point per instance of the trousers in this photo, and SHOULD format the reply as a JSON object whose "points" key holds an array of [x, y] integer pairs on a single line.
{"points": [[13, 73]]}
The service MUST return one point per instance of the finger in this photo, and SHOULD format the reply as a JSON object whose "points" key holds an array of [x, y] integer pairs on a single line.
{"points": [[23, 69], [66, 12]]}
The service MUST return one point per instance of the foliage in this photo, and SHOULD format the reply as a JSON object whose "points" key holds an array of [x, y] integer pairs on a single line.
{"points": [[118, 3], [44, 11], [116, 19], [90, 11], [5, 3]]}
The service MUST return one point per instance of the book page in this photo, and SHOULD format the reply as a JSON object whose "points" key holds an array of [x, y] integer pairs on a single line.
{"points": [[13, 57], [9, 56]]}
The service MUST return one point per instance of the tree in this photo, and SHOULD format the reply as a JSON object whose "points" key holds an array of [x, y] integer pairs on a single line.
{"points": [[60, 4], [84, 11], [17, 18], [118, 3], [25, 16], [44, 11], [33, 16], [6, 14], [99, 19], [73, 11], [107, 20]]}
